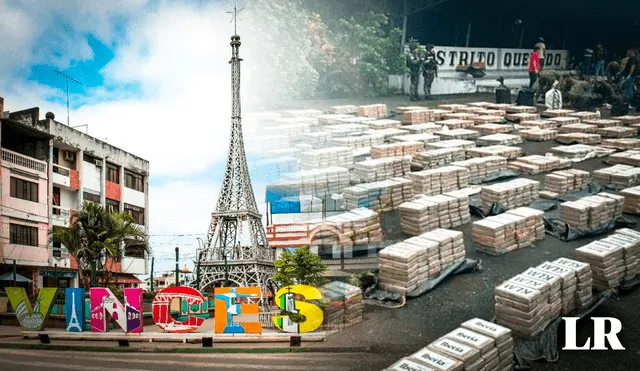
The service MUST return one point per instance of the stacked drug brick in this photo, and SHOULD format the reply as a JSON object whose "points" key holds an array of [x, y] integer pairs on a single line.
{"points": [[384, 124], [622, 143], [326, 157], [407, 264], [455, 123], [515, 229], [580, 151], [585, 115], [623, 175], [458, 134], [499, 139], [383, 195], [523, 306], [629, 239], [426, 213], [607, 263], [477, 345], [319, 182], [424, 138], [519, 117], [438, 157], [488, 119], [557, 112], [344, 109], [538, 135], [492, 128], [359, 227], [396, 149], [618, 132], [562, 182], [568, 286], [540, 124], [380, 169], [536, 164], [318, 139], [631, 158], [601, 123], [511, 194], [584, 282], [373, 110], [629, 120], [580, 138], [503, 151], [453, 143], [332, 118], [481, 167], [358, 141], [592, 211], [522, 109], [461, 116], [631, 200], [417, 116], [439, 180], [427, 127], [577, 128]]}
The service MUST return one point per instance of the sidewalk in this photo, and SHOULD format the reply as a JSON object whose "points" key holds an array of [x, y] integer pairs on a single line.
{"points": [[13, 337]]}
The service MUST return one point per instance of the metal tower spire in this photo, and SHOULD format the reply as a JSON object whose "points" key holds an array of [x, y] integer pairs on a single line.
{"points": [[236, 249]]}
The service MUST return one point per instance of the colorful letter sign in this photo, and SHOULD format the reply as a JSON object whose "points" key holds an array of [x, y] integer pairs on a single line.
{"points": [[74, 309], [103, 302], [31, 319], [284, 300], [162, 309], [226, 308]]}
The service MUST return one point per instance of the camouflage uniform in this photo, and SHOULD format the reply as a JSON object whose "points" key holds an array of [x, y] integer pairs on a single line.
{"points": [[414, 62], [429, 71]]}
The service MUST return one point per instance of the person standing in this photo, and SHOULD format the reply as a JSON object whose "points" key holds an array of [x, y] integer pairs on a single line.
{"points": [[414, 62], [534, 66], [543, 51], [429, 70], [628, 74], [586, 62], [599, 61]]}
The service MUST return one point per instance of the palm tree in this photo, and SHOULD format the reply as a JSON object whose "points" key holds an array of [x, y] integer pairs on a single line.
{"points": [[95, 235]]}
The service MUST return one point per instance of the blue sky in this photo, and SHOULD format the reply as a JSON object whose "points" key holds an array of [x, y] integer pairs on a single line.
{"points": [[155, 82]]}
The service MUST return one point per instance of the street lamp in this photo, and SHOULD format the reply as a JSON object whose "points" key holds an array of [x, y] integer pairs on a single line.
{"points": [[201, 244], [519, 23], [177, 268]]}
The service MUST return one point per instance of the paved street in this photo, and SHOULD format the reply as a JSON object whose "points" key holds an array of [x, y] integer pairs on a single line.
{"points": [[20, 359]]}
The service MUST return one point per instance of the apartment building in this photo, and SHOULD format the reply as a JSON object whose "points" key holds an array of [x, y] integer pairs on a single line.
{"points": [[47, 170]]}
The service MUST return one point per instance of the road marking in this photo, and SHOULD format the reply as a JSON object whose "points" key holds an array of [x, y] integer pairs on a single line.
{"points": [[184, 359], [50, 366]]}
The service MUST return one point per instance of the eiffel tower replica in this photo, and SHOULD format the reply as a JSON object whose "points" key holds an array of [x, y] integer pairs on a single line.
{"points": [[236, 249]]}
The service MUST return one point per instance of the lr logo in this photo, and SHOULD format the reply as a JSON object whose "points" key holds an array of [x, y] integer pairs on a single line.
{"points": [[599, 331]]}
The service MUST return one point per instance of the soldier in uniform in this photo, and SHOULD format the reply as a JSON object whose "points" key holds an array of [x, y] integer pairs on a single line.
{"points": [[414, 62], [429, 70]]}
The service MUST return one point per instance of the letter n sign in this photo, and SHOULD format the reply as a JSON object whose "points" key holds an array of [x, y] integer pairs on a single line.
{"points": [[105, 304]]}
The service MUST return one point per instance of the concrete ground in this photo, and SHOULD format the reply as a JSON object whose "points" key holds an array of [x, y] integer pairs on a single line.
{"points": [[399, 332]]}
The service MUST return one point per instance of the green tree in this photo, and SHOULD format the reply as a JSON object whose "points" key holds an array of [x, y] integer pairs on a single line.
{"points": [[95, 235], [300, 267]]}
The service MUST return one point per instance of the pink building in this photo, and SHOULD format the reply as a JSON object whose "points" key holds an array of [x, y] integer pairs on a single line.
{"points": [[47, 170]]}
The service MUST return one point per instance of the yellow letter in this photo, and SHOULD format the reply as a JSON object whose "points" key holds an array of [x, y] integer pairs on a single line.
{"points": [[284, 300]]}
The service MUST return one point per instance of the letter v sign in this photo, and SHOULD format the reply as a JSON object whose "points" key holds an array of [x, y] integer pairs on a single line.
{"points": [[31, 319]]}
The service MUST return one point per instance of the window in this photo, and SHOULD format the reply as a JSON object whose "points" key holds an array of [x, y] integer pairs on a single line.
{"points": [[24, 190], [113, 173], [136, 212], [23, 235], [89, 158], [133, 180], [57, 250], [113, 206], [134, 252], [91, 197]]}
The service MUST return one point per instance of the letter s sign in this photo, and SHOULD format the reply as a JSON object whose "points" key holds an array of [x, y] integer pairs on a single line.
{"points": [[285, 301]]}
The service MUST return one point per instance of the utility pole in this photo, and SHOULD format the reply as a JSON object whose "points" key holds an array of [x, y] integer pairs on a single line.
{"points": [[177, 268], [14, 273], [468, 34], [152, 260], [67, 78]]}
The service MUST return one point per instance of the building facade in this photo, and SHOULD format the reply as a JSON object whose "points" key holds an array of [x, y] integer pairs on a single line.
{"points": [[47, 170]]}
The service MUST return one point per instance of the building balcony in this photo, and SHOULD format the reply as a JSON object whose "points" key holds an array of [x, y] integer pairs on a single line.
{"points": [[61, 176], [60, 216], [25, 163]]}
